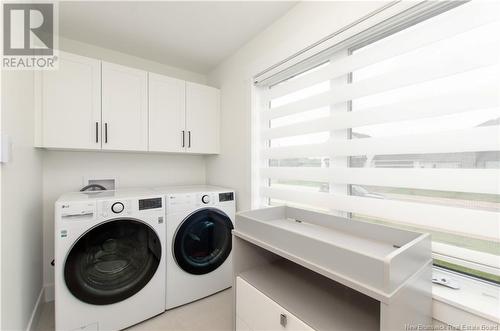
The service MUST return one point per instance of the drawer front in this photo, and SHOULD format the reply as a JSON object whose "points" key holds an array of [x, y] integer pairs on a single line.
{"points": [[257, 312]]}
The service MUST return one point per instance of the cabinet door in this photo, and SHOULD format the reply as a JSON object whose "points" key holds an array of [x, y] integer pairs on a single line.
{"points": [[202, 118], [257, 312], [124, 108], [68, 104], [167, 114]]}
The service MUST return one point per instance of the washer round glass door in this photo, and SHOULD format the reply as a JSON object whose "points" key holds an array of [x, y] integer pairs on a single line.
{"points": [[112, 261], [203, 241]]}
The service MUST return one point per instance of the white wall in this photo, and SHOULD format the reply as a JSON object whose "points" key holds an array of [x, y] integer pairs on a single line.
{"points": [[77, 47], [63, 171], [21, 212], [300, 27]]}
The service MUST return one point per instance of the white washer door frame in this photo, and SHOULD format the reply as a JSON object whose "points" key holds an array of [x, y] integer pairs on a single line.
{"points": [[183, 287], [72, 313]]}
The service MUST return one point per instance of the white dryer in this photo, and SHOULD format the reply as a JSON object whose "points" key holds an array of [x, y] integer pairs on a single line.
{"points": [[109, 259], [199, 224]]}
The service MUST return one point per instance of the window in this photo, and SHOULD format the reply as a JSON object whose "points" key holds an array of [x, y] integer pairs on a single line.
{"points": [[399, 127]]}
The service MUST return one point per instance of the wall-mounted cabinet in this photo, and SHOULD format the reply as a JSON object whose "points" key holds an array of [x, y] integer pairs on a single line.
{"points": [[124, 108], [183, 116], [91, 104], [167, 114], [202, 118], [68, 102]]}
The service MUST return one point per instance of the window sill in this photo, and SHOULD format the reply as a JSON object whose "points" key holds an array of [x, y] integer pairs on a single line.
{"points": [[475, 303]]}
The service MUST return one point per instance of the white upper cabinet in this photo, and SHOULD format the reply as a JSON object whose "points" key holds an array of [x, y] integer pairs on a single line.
{"points": [[183, 116], [92, 104], [68, 107], [167, 114], [202, 118], [124, 108]]}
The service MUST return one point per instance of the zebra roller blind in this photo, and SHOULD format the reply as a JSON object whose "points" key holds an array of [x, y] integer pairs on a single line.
{"points": [[402, 129]]}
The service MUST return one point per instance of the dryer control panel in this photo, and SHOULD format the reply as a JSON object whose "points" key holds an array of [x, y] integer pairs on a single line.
{"points": [[226, 196], [183, 201]]}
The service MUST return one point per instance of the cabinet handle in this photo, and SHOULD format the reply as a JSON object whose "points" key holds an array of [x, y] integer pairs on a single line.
{"points": [[183, 138], [283, 320], [96, 132], [105, 133], [189, 139]]}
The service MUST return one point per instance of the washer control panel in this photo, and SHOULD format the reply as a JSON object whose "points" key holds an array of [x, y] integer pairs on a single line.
{"points": [[205, 199], [146, 206], [151, 203], [117, 207], [127, 206]]}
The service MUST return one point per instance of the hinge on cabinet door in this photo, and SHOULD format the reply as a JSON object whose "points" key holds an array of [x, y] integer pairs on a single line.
{"points": [[283, 320]]}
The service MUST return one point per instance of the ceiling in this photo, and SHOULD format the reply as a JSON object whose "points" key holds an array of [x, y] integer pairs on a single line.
{"points": [[196, 36]]}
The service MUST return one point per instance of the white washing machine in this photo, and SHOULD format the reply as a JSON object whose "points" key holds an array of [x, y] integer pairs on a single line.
{"points": [[109, 259], [199, 224]]}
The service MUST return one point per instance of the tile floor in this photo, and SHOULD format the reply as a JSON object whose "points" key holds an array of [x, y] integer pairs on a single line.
{"points": [[209, 314]]}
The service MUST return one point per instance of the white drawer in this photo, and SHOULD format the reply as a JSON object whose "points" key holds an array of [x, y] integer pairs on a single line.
{"points": [[257, 312]]}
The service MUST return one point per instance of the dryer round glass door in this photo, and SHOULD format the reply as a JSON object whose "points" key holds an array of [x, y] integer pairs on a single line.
{"points": [[203, 241], [112, 261]]}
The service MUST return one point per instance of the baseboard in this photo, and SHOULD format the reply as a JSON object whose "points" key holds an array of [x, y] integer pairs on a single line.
{"points": [[37, 310], [49, 292]]}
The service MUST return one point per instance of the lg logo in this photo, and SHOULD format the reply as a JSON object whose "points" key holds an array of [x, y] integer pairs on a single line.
{"points": [[28, 29]]}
